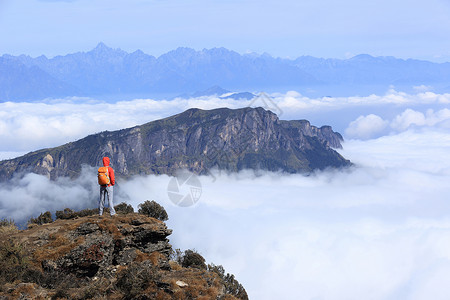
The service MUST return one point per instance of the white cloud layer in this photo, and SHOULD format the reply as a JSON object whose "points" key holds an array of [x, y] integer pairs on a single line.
{"points": [[32, 194], [30, 126], [380, 230], [365, 127], [294, 100], [411, 118], [370, 126]]}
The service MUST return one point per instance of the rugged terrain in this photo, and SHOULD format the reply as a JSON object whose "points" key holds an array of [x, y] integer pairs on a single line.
{"points": [[197, 140], [127, 256]]}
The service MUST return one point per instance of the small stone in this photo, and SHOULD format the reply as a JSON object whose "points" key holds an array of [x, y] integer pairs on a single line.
{"points": [[181, 283]]}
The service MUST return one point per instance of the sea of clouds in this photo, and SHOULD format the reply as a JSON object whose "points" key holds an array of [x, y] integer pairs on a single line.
{"points": [[28, 126], [379, 230]]}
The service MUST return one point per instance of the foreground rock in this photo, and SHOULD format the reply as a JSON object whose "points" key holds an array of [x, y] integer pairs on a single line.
{"points": [[121, 257]]}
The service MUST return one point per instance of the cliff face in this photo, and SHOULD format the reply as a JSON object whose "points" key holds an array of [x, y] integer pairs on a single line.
{"points": [[197, 140], [121, 257]]}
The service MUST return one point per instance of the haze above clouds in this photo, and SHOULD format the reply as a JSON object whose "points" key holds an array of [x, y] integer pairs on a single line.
{"points": [[288, 28], [380, 228]]}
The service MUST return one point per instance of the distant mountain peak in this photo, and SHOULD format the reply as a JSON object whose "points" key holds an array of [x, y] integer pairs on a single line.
{"points": [[212, 91], [139, 52], [362, 57], [108, 72], [101, 47], [218, 51], [103, 50], [182, 50], [239, 96]]}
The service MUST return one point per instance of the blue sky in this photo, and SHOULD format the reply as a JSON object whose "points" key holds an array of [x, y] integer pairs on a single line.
{"points": [[290, 28], [381, 229]]}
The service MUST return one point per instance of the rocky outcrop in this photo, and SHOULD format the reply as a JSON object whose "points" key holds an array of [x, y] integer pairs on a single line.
{"points": [[95, 245], [127, 256], [197, 140], [304, 128]]}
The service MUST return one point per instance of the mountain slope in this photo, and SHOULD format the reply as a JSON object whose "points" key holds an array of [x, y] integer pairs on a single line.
{"points": [[104, 71], [107, 71], [198, 140], [366, 69], [21, 82]]}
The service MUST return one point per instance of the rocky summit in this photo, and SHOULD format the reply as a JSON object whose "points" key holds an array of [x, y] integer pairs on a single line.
{"points": [[197, 140], [127, 256]]}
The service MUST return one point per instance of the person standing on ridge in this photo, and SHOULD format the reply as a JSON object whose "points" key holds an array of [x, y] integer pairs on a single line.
{"points": [[106, 180]]}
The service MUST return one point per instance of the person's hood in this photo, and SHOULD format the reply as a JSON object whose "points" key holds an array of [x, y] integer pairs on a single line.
{"points": [[106, 161]]}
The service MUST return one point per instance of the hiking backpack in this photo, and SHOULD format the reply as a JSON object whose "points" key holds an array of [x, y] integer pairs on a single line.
{"points": [[103, 176]]}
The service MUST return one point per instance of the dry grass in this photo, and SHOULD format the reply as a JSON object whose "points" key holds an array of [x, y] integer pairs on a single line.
{"points": [[162, 296], [71, 226], [141, 256], [97, 289], [201, 283], [137, 279], [179, 295], [28, 291], [25, 289], [111, 227], [229, 297], [58, 246], [175, 266], [156, 258], [8, 229], [13, 253]]}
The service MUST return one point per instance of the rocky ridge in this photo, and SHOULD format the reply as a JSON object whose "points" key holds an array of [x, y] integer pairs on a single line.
{"points": [[108, 72], [197, 140]]}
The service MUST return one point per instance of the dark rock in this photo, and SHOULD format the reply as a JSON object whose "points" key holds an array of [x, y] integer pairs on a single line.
{"points": [[125, 257], [197, 140], [98, 244], [86, 228]]}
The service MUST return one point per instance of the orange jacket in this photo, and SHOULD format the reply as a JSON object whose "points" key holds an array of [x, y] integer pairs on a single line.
{"points": [[110, 171]]}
